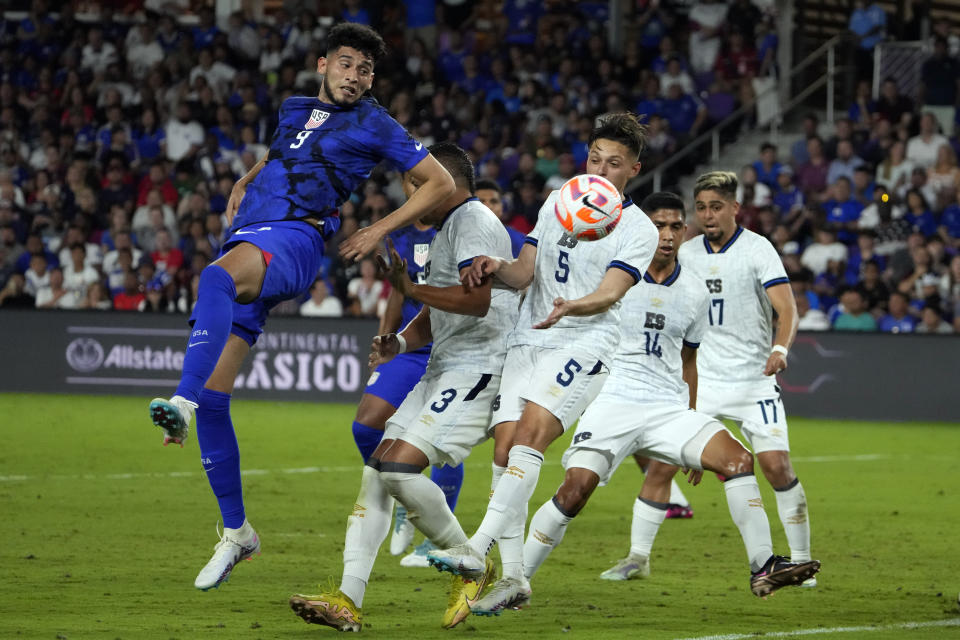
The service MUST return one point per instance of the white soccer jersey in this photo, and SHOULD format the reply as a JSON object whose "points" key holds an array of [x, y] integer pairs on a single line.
{"points": [[570, 269], [658, 320], [468, 343], [739, 314]]}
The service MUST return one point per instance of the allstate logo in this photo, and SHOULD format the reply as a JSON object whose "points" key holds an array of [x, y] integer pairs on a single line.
{"points": [[85, 354]]}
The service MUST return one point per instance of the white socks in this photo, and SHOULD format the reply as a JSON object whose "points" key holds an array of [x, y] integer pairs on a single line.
{"points": [[509, 499], [792, 507], [646, 522], [746, 509], [546, 531], [426, 507], [676, 495], [367, 527], [511, 543]]}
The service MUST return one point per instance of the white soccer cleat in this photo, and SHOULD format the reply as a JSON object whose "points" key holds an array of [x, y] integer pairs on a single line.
{"points": [[633, 566], [418, 558], [174, 417], [809, 583], [235, 545], [506, 593], [402, 535], [461, 560]]}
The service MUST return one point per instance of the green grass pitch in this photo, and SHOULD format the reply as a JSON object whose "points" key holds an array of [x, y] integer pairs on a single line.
{"points": [[104, 531]]}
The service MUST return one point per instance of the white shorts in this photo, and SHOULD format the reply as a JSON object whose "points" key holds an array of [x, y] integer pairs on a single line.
{"points": [[561, 381], [756, 407], [614, 427], [445, 415]]}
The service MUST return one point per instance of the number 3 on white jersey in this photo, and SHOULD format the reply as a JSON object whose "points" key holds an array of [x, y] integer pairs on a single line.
{"points": [[301, 136]]}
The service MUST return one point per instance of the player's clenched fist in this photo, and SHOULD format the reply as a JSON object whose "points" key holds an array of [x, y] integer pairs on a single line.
{"points": [[481, 267]]}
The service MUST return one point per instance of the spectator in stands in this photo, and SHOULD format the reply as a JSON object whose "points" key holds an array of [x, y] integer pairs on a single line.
{"points": [[844, 164], [812, 175], [364, 291], [184, 135], [943, 178], [321, 303], [949, 228], [15, 296], [860, 255], [54, 295], [799, 155], [892, 105], [873, 288], [675, 74], [750, 191], [98, 298], [863, 184], [167, 258], [855, 315], [869, 24], [898, 319], [922, 149], [707, 19], [919, 214], [810, 319], [940, 75], [932, 320], [787, 198], [843, 211], [38, 275], [683, 113], [863, 107], [826, 250], [97, 54], [78, 276], [767, 167], [131, 294], [895, 170]]}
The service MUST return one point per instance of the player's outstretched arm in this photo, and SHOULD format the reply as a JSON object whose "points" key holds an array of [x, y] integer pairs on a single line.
{"points": [[614, 285], [240, 188], [517, 274], [435, 185], [393, 315], [688, 356], [781, 297], [414, 336]]}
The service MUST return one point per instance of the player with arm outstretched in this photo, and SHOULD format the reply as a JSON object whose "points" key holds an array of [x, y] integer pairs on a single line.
{"points": [[448, 412], [746, 283], [281, 212], [558, 354], [646, 407]]}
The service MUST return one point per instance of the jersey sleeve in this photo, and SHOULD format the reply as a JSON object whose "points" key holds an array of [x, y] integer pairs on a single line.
{"points": [[636, 248], [698, 327], [768, 265], [396, 145], [479, 235], [544, 216]]}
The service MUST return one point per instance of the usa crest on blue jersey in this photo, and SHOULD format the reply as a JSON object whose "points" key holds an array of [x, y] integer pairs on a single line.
{"points": [[316, 119]]}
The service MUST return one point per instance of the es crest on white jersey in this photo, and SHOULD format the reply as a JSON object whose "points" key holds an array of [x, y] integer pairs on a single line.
{"points": [[420, 252], [317, 118]]}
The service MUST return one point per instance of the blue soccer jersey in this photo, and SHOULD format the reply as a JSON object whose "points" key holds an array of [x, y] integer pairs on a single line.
{"points": [[413, 245], [320, 153]]}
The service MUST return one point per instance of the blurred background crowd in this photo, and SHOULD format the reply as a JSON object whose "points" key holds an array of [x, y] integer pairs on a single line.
{"points": [[123, 127]]}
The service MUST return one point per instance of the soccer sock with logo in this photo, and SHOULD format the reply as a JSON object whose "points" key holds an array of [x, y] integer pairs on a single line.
{"points": [[367, 439], [213, 318], [507, 504], [220, 455], [746, 509], [367, 527], [450, 480], [676, 495], [426, 506], [792, 507], [547, 527], [647, 518]]}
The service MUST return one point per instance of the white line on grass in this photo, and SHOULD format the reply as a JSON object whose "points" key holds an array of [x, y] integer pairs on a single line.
{"points": [[952, 622], [867, 457]]}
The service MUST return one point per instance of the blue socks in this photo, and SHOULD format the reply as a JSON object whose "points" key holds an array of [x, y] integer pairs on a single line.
{"points": [[449, 479], [220, 454], [367, 439], [213, 317]]}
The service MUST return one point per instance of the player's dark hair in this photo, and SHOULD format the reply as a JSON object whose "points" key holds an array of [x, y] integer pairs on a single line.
{"points": [[457, 162], [359, 37], [663, 200], [622, 127], [486, 183]]}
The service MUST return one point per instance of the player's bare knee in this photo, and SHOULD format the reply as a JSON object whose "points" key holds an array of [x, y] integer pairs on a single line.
{"points": [[777, 468], [738, 464], [577, 487]]}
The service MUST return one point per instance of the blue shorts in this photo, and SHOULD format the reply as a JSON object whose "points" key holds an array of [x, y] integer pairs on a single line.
{"points": [[392, 381], [293, 251]]}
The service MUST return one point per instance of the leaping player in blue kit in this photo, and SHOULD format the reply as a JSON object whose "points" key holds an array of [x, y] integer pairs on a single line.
{"points": [[281, 212]]}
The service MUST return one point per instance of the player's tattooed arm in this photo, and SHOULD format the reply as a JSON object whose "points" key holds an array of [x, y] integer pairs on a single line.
{"points": [[614, 285], [781, 297], [517, 274], [240, 189]]}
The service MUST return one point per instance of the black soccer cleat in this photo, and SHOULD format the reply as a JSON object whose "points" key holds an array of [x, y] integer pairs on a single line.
{"points": [[779, 572]]}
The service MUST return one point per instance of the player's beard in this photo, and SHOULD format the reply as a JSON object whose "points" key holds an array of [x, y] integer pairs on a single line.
{"points": [[327, 97]]}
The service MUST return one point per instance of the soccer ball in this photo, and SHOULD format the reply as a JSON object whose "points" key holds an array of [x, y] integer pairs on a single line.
{"points": [[588, 207]]}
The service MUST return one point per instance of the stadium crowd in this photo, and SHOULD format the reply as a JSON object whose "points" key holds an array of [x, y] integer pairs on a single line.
{"points": [[122, 134]]}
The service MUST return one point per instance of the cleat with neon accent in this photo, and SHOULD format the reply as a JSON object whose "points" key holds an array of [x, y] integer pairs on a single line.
{"points": [[174, 417], [679, 511], [633, 566], [460, 560], [418, 558], [402, 535], [235, 545], [331, 608], [779, 572], [464, 594], [809, 583], [506, 593]]}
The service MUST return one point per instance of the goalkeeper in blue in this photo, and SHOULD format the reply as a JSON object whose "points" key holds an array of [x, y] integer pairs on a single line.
{"points": [[281, 212]]}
